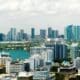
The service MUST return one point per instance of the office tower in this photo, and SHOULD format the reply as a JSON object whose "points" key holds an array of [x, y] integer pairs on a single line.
{"points": [[69, 33], [76, 33], [11, 36], [25, 36], [32, 33], [59, 49], [43, 33], [54, 33], [49, 32], [72, 33], [21, 35], [2, 37]]}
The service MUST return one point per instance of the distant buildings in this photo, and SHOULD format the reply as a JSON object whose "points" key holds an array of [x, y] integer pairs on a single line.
{"points": [[52, 33], [21, 36], [32, 33], [49, 32], [72, 33], [43, 33], [11, 36], [2, 37]]}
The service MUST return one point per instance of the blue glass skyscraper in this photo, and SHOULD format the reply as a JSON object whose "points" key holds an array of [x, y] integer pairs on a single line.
{"points": [[32, 33], [11, 36], [43, 33], [72, 33], [54, 33], [49, 32], [69, 33], [76, 33]]}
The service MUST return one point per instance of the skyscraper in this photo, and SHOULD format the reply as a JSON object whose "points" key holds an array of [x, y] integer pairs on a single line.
{"points": [[43, 33], [76, 33], [69, 33], [72, 33], [49, 32], [59, 49], [11, 36], [32, 33], [2, 37], [54, 33]]}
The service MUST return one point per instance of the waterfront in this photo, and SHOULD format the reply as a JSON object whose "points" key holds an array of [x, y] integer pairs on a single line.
{"points": [[17, 54]]}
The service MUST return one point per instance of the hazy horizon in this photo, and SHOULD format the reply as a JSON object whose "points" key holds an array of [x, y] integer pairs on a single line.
{"points": [[24, 14]]}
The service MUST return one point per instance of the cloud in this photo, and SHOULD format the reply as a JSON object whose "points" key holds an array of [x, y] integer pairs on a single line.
{"points": [[41, 6]]}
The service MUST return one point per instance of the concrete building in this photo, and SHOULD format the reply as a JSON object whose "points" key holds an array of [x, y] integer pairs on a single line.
{"points": [[16, 67], [46, 53]]}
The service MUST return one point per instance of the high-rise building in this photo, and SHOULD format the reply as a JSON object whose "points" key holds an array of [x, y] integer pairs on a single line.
{"points": [[54, 33], [25, 36], [69, 33], [72, 33], [32, 33], [43, 33], [11, 36], [20, 35], [49, 32], [2, 37], [59, 49], [76, 33]]}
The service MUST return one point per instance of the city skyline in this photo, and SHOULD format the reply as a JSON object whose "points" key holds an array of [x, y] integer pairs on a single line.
{"points": [[24, 14]]}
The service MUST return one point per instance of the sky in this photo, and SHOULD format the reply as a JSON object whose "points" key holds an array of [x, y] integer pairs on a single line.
{"points": [[24, 14]]}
